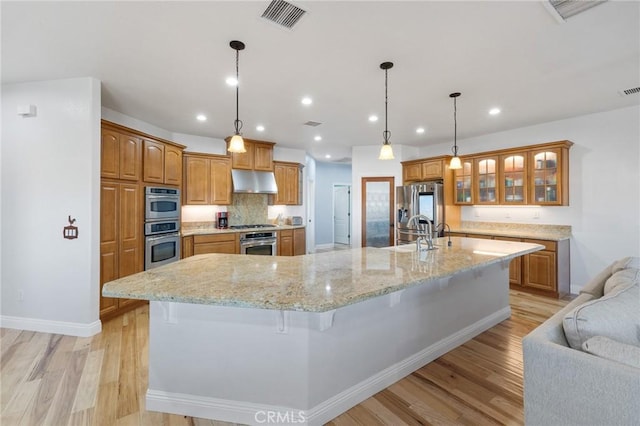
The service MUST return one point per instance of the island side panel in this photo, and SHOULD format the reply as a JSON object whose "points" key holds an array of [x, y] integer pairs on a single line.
{"points": [[232, 364]]}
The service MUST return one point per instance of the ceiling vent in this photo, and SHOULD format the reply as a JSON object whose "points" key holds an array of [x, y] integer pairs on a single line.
{"points": [[312, 123], [563, 9], [626, 92], [343, 160], [283, 13]]}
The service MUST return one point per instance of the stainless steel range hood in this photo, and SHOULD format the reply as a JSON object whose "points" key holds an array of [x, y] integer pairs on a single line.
{"points": [[254, 182]]}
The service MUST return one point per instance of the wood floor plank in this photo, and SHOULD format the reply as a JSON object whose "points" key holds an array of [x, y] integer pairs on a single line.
{"points": [[102, 380]]}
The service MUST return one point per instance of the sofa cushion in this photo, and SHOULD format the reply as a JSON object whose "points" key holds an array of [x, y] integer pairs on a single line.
{"points": [[620, 280], [615, 351], [624, 263], [616, 316]]}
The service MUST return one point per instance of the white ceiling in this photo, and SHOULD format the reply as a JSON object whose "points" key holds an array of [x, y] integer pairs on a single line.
{"points": [[165, 62]]}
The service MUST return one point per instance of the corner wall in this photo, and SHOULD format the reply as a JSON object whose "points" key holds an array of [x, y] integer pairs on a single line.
{"points": [[50, 171]]}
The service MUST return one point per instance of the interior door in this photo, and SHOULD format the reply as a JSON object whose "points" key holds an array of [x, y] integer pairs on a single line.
{"points": [[342, 214], [377, 211]]}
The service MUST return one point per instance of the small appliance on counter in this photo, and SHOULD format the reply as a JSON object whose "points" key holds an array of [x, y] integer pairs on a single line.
{"points": [[222, 221], [294, 220]]}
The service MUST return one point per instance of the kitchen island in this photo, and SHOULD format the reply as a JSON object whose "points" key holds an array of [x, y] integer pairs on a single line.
{"points": [[302, 339]]}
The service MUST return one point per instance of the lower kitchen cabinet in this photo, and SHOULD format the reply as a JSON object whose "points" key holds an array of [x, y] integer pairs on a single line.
{"points": [[292, 242], [121, 240], [228, 243]]}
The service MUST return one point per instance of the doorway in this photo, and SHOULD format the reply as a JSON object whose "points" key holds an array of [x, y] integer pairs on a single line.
{"points": [[377, 211], [342, 214]]}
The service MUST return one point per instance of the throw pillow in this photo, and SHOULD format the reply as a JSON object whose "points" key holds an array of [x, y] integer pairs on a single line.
{"points": [[621, 280], [624, 263], [615, 351], [616, 316]]}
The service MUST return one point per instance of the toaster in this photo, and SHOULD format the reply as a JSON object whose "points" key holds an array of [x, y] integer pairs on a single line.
{"points": [[295, 220]]}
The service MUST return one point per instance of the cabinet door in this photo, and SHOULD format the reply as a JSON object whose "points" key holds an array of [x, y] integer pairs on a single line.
{"points": [[153, 162], [291, 185], [412, 172], [172, 165], [187, 246], [486, 176], [464, 178], [299, 241], [220, 177], [263, 157], [515, 266], [130, 230], [513, 179], [243, 160], [540, 270], [197, 185], [285, 242], [110, 154], [280, 172], [546, 173], [108, 242], [222, 243], [130, 157], [432, 169]]}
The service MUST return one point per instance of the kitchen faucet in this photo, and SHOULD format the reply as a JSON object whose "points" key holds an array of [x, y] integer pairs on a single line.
{"points": [[423, 235], [435, 229]]}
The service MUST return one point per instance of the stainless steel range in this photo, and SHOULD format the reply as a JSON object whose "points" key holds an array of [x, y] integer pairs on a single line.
{"points": [[264, 243]]}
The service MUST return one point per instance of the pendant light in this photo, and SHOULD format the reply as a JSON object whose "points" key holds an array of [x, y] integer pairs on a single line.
{"points": [[455, 161], [386, 153], [237, 143]]}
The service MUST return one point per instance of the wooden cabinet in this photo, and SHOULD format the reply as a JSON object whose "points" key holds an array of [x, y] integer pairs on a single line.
{"points": [[259, 156], [207, 179], [187, 247], [550, 176], [486, 180], [228, 243], [121, 240], [463, 188], [424, 169], [515, 266], [120, 155], [289, 180], [513, 178], [162, 163], [292, 242]]}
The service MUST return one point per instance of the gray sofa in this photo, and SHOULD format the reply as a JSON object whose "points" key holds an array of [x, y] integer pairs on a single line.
{"points": [[565, 385]]}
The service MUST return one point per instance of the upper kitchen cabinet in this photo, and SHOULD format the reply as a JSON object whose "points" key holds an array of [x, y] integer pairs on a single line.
{"points": [[486, 178], [120, 155], [550, 175], [463, 183], [513, 177], [162, 163], [424, 169], [207, 179], [259, 156], [289, 180]]}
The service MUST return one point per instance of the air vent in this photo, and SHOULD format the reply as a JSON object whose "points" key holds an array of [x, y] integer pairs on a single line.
{"points": [[343, 160], [283, 13], [626, 92], [312, 123], [563, 9]]}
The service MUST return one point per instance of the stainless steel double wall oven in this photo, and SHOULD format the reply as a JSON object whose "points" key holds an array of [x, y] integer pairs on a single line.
{"points": [[161, 226]]}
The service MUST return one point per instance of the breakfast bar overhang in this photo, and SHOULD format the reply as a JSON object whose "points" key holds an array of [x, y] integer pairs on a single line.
{"points": [[300, 340]]}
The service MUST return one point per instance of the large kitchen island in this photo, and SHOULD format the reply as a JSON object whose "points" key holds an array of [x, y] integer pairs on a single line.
{"points": [[299, 340]]}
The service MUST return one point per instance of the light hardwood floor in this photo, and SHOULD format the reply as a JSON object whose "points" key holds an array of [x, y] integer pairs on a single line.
{"points": [[50, 379]]}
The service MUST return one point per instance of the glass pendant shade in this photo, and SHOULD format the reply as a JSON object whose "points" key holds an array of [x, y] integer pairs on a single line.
{"points": [[236, 144], [455, 163], [386, 153]]}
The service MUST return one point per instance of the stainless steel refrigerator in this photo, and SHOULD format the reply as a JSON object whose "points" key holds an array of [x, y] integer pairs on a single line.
{"points": [[425, 198]]}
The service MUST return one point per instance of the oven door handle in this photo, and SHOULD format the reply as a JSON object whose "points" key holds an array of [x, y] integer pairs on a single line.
{"points": [[258, 243], [162, 236]]}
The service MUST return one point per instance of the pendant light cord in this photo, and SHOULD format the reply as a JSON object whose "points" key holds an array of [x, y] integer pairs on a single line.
{"points": [[386, 134], [455, 128], [237, 123]]}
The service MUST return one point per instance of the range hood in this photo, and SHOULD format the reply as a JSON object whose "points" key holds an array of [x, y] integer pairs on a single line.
{"points": [[254, 182]]}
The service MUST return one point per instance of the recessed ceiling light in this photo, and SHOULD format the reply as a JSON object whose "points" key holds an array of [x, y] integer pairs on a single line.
{"points": [[420, 130], [306, 101], [232, 81], [494, 111], [373, 118], [260, 128], [327, 156], [201, 117], [317, 138]]}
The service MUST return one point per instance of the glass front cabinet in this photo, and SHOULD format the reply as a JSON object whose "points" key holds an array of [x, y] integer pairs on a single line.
{"points": [[486, 176], [549, 174], [513, 179], [463, 186]]}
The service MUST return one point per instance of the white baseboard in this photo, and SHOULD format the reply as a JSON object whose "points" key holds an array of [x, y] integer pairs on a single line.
{"points": [[255, 414], [324, 246], [53, 327]]}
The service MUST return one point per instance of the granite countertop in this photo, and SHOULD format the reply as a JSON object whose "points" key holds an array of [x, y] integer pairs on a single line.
{"points": [[312, 283], [516, 230], [204, 230]]}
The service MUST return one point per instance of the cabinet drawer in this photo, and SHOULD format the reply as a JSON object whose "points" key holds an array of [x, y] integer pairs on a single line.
{"points": [[548, 245], [214, 238]]}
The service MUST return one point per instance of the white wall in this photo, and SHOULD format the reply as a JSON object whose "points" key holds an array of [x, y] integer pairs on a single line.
{"points": [[604, 209], [327, 175], [202, 144], [51, 170]]}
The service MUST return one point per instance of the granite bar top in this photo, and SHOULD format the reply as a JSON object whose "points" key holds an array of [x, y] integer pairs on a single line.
{"points": [[516, 230], [210, 229], [312, 283]]}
